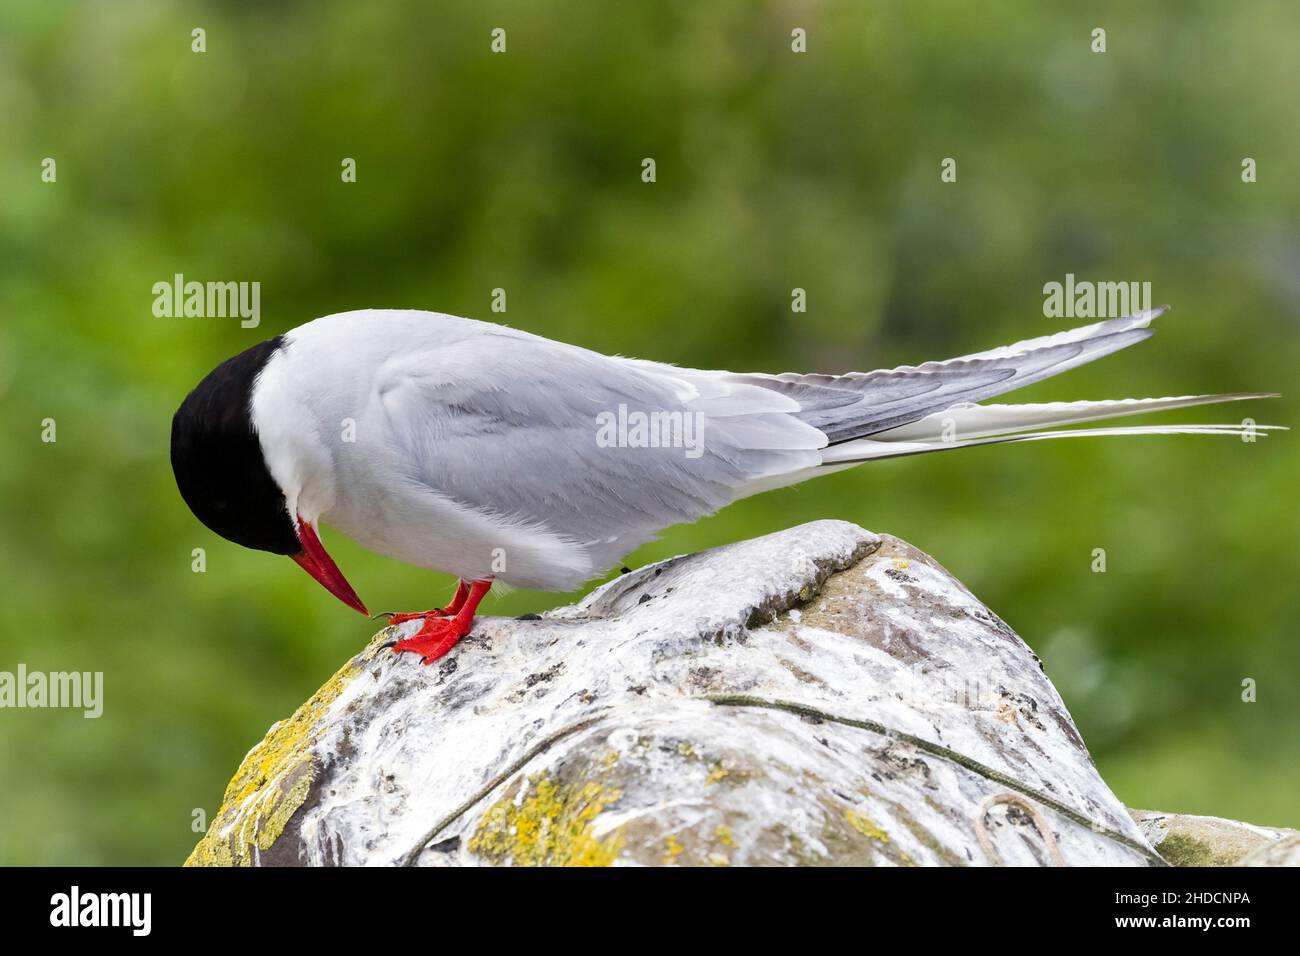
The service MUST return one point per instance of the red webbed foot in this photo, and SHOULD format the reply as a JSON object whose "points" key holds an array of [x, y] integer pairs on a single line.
{"points": [[438, 635], [435, 638]]}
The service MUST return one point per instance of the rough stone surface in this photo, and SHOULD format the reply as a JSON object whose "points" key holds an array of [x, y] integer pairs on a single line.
{"points": [[1187, 840], [816, 696]]}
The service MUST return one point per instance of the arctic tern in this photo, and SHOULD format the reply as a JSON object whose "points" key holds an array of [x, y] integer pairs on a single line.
{"points": [[496, 455]]}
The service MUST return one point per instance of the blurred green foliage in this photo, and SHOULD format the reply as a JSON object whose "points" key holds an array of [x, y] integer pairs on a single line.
{"points": [[522, 170]]}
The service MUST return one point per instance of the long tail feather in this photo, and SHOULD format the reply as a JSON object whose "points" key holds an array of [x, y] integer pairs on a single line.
{"points": [[867, 449], [981, 421], [917, 409], [860, 404]]}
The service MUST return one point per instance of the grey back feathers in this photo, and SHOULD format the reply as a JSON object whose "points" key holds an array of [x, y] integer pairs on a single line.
{"points": [[857, 405]]}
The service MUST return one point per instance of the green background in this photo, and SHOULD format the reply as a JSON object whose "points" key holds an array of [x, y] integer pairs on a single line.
{"points": [[522, 171]]}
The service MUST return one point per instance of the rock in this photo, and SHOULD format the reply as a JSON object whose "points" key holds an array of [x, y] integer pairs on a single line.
{"points": [[1283, 852], [816, 696], [1187, 840]]}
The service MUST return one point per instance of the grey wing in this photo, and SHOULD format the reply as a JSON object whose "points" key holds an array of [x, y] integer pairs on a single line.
{"points": [[519, 427], [510, 424], [847, 407]]}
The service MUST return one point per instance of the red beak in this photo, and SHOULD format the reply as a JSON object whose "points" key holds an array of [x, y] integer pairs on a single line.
{"points": [[316, 561]]}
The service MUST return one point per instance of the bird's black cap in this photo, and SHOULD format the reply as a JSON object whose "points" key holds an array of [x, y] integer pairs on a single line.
{"points": [[218, 460]]}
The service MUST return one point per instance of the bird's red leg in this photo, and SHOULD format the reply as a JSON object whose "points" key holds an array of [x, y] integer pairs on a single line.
{"points": [[457, 602], [438, 635]]}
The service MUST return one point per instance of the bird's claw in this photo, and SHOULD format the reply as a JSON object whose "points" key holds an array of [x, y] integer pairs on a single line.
{"points": [[401, 618]]}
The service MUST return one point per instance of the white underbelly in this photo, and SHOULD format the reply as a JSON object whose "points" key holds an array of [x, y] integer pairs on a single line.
{"points": [[423, 528]]}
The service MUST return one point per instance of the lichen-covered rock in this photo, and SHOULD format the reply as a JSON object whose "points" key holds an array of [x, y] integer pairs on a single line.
{"points": [[820, 696], [1187, 840]]}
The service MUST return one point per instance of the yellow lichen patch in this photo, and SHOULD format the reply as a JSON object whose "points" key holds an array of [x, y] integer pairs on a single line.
{"points": [[723, 835], [901, 564], [718, 859], [674, 848], [1181, 849], [717, 774], [865, 826], [270, 785], [549, 825]]}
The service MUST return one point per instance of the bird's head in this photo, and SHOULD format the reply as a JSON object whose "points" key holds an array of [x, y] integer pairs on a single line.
{"points": [[223, 475]]}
